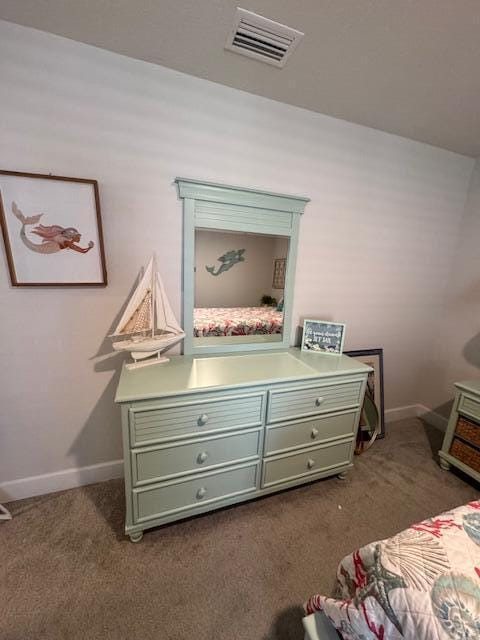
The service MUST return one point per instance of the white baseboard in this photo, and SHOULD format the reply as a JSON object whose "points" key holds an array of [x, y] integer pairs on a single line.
{"points": [[79, 476], [417, 411], [59, 480], [400, 413]]}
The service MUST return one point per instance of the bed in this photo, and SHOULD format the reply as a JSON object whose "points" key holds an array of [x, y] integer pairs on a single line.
{"points": [[422, 584], [236, 321]]}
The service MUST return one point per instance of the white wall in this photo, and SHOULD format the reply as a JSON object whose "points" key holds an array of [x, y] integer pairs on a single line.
{"points": [[456, 355], [376, 241]]}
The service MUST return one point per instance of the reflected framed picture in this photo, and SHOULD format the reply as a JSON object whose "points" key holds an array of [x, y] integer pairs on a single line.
{"points": [[279, 269], [374, 390], [52, 230]]}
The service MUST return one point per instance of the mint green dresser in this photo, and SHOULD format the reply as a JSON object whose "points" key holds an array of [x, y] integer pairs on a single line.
{"points": [[202, 432]]}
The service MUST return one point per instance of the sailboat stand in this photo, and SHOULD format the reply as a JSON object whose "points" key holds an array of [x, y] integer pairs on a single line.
{"points": [[148, 325], [137, 364]]}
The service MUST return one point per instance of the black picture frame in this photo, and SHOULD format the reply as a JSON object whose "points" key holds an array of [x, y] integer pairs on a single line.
{"points": [[374, 358]]}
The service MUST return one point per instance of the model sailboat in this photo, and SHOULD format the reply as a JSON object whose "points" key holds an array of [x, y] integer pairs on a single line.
{"points": [[148, 326]]}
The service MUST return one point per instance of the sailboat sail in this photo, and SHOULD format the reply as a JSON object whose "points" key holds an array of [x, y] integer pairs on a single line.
{"points": [[137, 316], [142, 317], [166, 320]]}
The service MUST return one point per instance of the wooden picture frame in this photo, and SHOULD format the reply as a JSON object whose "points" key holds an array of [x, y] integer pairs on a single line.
{"points": [[374, 358], [320, 336], [64, 213]]}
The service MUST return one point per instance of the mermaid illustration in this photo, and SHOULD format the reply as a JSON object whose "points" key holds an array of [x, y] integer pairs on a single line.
{"points": [[54, 238]]}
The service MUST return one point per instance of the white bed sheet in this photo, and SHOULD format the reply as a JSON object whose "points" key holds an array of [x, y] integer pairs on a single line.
{"points": [[318, 627]]}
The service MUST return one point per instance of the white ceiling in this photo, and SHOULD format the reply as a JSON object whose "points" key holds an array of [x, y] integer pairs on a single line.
{"points": [[410, 67]]}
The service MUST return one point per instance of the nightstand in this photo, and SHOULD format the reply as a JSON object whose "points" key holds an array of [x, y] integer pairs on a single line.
{"points": [[461, 444]]}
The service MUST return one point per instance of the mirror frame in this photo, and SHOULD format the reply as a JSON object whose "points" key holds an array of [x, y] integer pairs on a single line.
{"points": [[207, 205]]}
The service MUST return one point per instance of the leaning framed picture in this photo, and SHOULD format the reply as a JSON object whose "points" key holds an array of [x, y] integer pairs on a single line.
{"points": [[52, 230], [323, 337], [374, 358]]}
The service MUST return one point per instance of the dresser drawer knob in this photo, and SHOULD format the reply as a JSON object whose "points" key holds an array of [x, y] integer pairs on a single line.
{"points": [[318, 401], [203, 419], [201, 493], [310, 463], [202, 457], [314, 433]]}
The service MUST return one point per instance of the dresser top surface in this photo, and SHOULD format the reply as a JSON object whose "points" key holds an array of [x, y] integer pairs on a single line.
{"points": [[469, 385], [186, 374]]}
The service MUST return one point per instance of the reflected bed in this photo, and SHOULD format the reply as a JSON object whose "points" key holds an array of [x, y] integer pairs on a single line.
{"points": [[236, 321]]}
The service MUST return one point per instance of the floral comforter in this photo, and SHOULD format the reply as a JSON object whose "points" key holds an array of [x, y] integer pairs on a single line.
{"points": [[422, 584], [236, 321]]}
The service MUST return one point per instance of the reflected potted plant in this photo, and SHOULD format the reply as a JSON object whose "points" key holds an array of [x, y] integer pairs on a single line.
{"points": [[268, 301]]}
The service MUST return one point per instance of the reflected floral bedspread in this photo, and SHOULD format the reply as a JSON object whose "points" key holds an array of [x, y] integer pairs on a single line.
{"points": [[236, 321], [422, 583]]}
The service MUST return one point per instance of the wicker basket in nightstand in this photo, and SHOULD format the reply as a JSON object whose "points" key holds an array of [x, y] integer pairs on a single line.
{"points": [[461, 444]]}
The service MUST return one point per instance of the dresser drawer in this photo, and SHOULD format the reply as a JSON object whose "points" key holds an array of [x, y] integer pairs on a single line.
{"points": [[307, 432], [466, 454], [156, 463], [469, 406], [309, 462], [194, 418], [287, 404], [467, 430], [182, 495]]}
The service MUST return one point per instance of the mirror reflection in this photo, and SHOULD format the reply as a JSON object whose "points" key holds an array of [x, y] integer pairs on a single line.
{"points": [[239, 284]]}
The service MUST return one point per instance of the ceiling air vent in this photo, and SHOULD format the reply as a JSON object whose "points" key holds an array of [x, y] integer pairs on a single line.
{"points": [[263, 39]]}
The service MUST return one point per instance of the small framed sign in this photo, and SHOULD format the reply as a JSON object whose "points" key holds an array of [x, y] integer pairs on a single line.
{"points": [[323, 337]]}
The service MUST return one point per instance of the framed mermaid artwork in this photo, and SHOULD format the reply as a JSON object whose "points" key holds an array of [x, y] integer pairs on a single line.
{"points": [[52, 230]]}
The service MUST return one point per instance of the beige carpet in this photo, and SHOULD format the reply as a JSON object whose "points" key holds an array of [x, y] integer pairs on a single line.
{"points": [[67, 571]]}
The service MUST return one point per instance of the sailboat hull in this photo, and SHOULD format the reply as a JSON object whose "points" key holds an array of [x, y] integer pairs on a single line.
{"points": [[149, 345], [141, 355]]}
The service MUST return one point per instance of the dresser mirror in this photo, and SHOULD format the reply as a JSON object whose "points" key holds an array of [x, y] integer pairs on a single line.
{"points": [[239, 266]]}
